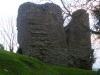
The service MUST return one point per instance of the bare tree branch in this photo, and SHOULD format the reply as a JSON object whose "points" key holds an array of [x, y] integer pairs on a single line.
{"points": [[8, 32]]}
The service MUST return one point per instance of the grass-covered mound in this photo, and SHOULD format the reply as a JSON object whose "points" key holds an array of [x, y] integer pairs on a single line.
{"points": [[15, 64], [73, 71]]}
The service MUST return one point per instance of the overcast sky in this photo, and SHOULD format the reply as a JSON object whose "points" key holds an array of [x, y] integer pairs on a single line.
{"points": [[10, 8]]}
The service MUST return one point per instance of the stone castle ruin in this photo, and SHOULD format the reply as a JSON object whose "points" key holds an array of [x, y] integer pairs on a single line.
{"points": [[78, 39], [41, 35]]}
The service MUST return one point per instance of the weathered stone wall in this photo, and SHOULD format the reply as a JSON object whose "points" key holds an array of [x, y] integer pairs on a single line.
{"points": [[41, 33], [78, 40]]}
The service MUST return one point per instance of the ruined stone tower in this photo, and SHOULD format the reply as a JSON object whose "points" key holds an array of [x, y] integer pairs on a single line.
{"points": [[78, 40], [41, 33]]}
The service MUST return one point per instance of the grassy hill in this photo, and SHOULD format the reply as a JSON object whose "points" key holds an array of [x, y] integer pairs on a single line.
{"points": [[15, 64]]}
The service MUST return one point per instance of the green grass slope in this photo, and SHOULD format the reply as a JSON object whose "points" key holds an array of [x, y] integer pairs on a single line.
{"points": [[15, 64]]}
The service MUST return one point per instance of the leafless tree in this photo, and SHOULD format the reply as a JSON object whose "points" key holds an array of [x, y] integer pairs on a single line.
{"points": [[8, 33], [69, 6]]}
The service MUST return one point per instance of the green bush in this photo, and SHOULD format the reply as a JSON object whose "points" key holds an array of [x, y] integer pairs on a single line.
{"points": [[98, 73]]}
